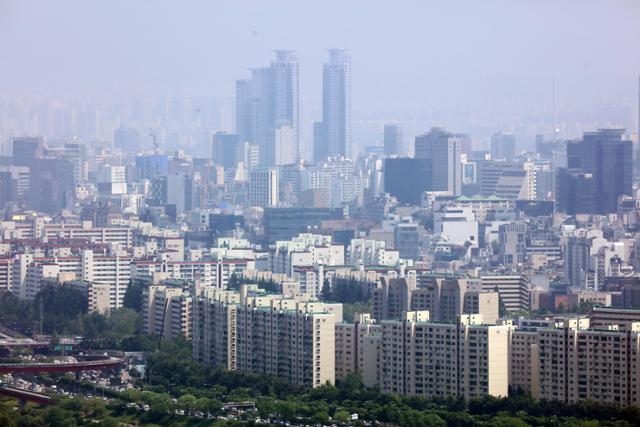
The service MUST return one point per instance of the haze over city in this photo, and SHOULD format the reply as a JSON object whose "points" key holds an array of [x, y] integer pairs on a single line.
{"points": [[473, 65], [330, 213]]}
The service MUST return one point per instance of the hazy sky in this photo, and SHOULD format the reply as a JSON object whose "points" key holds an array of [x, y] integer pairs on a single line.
{"points": [[409, 55]]}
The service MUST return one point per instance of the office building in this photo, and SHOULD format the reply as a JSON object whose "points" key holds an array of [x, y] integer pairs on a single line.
{"points": [[407, 179], [443, 149], [599, 171], [224, 149], [503, 146], [512, 243], [127, 139], [112, 180], [263, 187], [51, 184], [332, 136], [513, 291], [392, 140], [149, 166], [26, 149], [285, 223]]}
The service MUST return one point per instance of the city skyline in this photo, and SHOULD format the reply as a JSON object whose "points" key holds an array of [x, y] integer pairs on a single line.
{"points": [[419, 62]]}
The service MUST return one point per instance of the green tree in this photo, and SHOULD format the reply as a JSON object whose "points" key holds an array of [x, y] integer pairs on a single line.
{"points": [[187, 403], [342, 416], [134, 295], [320, 417]]}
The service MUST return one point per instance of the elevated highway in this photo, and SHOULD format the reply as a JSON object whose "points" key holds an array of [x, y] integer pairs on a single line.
{"points": [[25, 395], [91, 363]]}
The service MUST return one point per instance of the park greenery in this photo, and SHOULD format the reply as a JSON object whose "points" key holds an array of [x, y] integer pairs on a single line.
{"points": [[179, 392]]}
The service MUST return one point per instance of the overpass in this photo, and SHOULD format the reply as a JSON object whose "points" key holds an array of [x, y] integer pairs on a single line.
{"points": [[95, 364], [25, 395]]}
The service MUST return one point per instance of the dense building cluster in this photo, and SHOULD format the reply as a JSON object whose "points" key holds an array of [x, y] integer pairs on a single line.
{"points": [[437, 265]]}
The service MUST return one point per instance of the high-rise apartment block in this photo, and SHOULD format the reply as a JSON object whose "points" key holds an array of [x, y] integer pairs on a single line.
{"points": [[166, 309], [237, 330], [435, 360]]}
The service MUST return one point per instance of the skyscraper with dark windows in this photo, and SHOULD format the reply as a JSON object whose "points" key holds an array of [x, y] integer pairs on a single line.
{"points": [[224, 148], [267, 107], [406, 179], [599, 171], [332, 136], [26, 149]]}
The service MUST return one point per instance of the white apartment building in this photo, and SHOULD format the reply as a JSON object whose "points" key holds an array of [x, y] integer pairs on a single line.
{"points": [[305, 250], [114, 271], [214, 273], [371, 252]]}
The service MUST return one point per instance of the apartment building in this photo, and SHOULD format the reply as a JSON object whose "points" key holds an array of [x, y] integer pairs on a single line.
{"points": [[577, 364], [354, 351], [371, 252], [6, 273], [40, 230], [305, 250], [214, 273], [392, 296], [251, 331], [445, 298], [98, 296], [429, 359], [114, 271], [166, 311], [214, 328]]}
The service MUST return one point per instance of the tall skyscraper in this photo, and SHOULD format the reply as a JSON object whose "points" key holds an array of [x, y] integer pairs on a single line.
{"points": [[605, 160], [443, 149], [267, 103], [392, 140], [332, 136], [503, 146]]}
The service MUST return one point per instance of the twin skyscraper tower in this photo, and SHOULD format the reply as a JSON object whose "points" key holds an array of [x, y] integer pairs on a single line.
{"points": [[268, 109]]}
